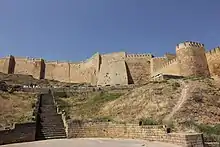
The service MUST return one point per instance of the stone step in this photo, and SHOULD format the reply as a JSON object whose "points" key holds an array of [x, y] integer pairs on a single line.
{"points": [[48, 107], [49, 137], [52, 114], [54, 124], [48, 111], [50, 117], [51, 105], [47, 103], [52, 134], [45, 122], [58, 129], [51, 123], [53, 131]]}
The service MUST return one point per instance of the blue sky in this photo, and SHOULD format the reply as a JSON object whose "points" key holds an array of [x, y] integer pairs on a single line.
{"points": [[76, 29]]}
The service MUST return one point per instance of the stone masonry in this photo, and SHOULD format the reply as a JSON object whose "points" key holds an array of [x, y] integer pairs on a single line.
{"points": [[120, 68]]}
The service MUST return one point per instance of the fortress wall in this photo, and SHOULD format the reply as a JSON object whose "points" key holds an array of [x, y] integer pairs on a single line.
{"points": [[170, 56], [172, 67], [192, 59], [4, 65], [38, 69], [57, 71], [138, 69], [138, 56], [213, 59], [113, 57], [157, 63], [113, 73], [28, 66], [113, 69], [85, 72]]}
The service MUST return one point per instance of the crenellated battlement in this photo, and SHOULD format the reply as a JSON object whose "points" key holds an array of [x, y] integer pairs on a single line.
{"points": [[165, 65], [213, 51], [27, 59], [139, 55], [169, 63], [120, 67], [159, 58], [189, 44]]}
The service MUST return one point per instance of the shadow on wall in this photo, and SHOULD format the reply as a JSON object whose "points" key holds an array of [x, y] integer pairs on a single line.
{"points": [[42, 70], [11, 65], [130, 79]]}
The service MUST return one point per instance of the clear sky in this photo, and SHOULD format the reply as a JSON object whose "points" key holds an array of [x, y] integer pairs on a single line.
{"points": [[76, 29]]}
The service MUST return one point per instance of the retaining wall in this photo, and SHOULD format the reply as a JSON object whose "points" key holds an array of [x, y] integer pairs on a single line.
{"points": [[83, 129], [20, 133]]}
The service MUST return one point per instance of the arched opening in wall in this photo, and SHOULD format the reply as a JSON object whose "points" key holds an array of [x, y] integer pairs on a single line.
{"points": [[130, 79]]}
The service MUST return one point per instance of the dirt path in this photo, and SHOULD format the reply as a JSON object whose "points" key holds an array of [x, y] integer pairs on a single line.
{"points": [[182, 99]]}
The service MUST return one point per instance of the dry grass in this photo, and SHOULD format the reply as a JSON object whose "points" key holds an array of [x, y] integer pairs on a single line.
{"points": [[153, 101], [86, 106], [194, 105], [16, 108], [157, 100]]}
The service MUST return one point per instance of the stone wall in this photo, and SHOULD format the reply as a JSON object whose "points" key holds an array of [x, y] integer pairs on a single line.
{"points": [[213, 58], [20, 133], [192, 59], [4, 63], [82, 72], [27, 66], [172, 67], [138, 70], [113, 69], [119, 67], [83, 129], [170, 56], [157, 63], [87, 71], [57, 71], [113, 73], [112, 57]]}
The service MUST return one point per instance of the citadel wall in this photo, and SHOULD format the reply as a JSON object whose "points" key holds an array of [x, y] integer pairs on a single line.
{"points": [[213, 59], [138, 68], [27, 66], [170, 56], [171, 67], [4, 65], [85, 72], [113, 69], [192, 59], [120, 68], [57, 71], [156, 64]]}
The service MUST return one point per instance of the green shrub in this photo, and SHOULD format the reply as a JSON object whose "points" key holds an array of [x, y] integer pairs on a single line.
{"points": [[209, 129], [175, 85], [149, 121], [104, 119]]}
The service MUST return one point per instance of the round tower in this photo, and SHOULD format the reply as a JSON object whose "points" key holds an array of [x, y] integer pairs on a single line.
{"points": [[192, 59]]}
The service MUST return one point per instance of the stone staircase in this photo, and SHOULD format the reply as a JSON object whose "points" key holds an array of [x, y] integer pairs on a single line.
{"points": [[50, 124]]}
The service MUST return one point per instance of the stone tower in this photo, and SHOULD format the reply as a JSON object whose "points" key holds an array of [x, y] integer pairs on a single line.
{"points": [[192, 59]]}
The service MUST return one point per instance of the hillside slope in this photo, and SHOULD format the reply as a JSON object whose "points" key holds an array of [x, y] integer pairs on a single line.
{"points": [[180, 101]]}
